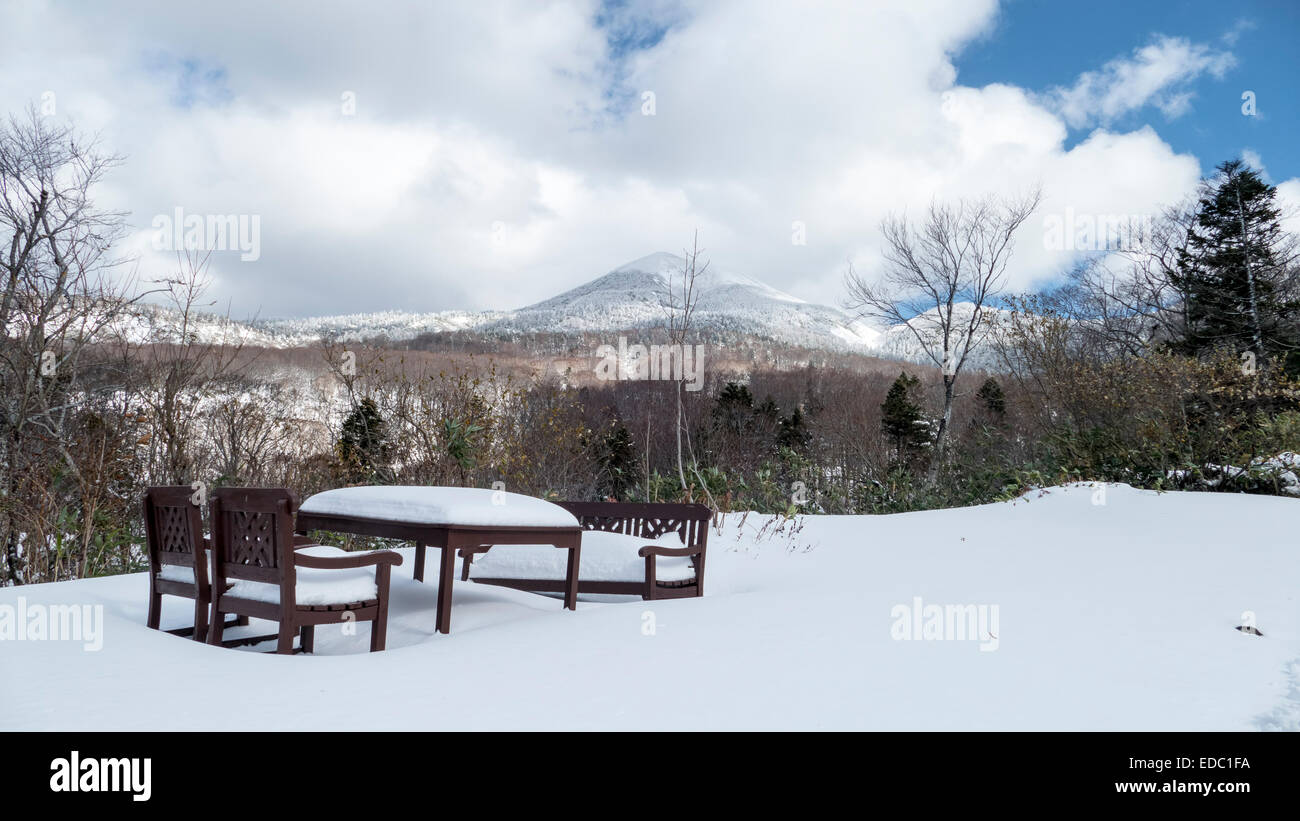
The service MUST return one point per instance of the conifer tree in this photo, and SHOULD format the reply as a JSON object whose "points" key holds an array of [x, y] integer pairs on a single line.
{"points": [[363, 445], [1237, 272], [902, 420]]}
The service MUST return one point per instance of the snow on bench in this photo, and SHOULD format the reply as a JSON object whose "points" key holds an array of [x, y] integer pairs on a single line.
{"points": [[606, 557]]}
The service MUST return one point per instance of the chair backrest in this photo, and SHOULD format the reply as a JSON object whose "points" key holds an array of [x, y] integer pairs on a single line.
{"points": [[645, 519], [173, 526], [252, 536]]}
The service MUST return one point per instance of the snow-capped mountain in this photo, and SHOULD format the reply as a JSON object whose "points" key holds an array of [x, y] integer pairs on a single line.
{"points": [[631, 297], [637, 295], [904, 341]]}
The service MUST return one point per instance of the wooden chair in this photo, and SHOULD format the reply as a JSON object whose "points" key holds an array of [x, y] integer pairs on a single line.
{"points": [[178, 556], [647, 521], [272, 575]]}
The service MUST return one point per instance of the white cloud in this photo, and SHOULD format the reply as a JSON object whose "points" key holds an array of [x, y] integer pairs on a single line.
{"points": [[521, 117], [1155, 74]]}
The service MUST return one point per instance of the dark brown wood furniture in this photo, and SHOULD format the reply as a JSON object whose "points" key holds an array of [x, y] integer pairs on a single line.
{"points": [[257, 554], [416, 525], [644, 520], [178, 556]]}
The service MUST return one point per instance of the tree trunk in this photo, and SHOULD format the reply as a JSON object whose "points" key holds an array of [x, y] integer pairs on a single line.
{"points": [[945, 421], [1257, 335]]}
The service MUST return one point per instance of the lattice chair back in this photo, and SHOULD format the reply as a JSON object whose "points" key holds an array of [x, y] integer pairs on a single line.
{"points": [[173, 526], [252, 536]]}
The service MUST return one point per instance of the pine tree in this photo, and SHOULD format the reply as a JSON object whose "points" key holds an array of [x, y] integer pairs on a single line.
{"points": [[1234, 271], [734, 408], [793, 432], [363, 446], [902, 420], [992, 398], [617, 462]]}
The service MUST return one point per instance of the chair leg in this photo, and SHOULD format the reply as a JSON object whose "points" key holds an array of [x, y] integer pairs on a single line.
{"points": [[307, 640], [201, 619], [217, 627], [285, 645], [155, 607]]}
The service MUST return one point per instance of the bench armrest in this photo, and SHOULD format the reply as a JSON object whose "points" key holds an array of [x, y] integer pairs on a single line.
{"points": [[659, 550]]}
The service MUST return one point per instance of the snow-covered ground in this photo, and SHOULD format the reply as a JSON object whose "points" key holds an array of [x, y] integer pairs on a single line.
{"points": [[1115, 610]]}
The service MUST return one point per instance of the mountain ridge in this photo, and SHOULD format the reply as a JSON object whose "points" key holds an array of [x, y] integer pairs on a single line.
{"points": [[634, 296]]}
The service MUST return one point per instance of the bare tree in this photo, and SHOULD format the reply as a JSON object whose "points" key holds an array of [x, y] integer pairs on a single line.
{"points": [[680, 298], [59, 292], [182, 366], [1130, 297], [939, 281]]}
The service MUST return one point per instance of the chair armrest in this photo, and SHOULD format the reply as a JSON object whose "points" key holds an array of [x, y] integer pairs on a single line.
{"points": [[659, 550], [375, 557]]}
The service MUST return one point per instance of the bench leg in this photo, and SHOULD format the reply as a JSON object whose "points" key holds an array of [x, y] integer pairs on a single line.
{"points": [[307, 638]]}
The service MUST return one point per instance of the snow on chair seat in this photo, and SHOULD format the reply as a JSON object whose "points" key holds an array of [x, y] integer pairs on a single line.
{"points": [[179, 573], [313, 586]]}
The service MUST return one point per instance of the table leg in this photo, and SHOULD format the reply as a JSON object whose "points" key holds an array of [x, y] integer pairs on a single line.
{"points": [[571, 580], [445, 575], [419, 561]]}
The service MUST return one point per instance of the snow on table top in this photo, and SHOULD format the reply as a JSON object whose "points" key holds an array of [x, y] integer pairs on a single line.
{"points": [[440, 505]]}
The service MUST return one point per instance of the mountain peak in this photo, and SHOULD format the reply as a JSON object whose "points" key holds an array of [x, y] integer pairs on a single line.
{"points": [[660, 262]]}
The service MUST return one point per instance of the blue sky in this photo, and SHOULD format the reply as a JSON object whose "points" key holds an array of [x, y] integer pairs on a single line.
{"points": [[1037, 44]]}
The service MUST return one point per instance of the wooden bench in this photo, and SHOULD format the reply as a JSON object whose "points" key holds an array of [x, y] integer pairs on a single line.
{"points": [[645, 522]]}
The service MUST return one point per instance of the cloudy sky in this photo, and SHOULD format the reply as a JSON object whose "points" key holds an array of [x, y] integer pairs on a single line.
{"points": [[424, 156]]}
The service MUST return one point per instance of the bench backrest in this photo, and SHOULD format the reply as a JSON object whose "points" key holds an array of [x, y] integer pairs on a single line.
{"points": [[645, 519]]}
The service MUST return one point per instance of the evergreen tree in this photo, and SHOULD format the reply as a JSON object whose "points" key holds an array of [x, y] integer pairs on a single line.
{"points": [[1234, 272], [617, 462], [734, 407], [793, 432], [902, 421], [992, 398], [363, 446]]}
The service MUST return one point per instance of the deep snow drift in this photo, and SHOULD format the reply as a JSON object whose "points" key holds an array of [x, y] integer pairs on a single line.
{"points": [[1115, 609]]}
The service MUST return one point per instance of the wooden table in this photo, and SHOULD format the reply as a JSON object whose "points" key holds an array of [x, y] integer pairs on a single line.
{"points": [[398, 513]]}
